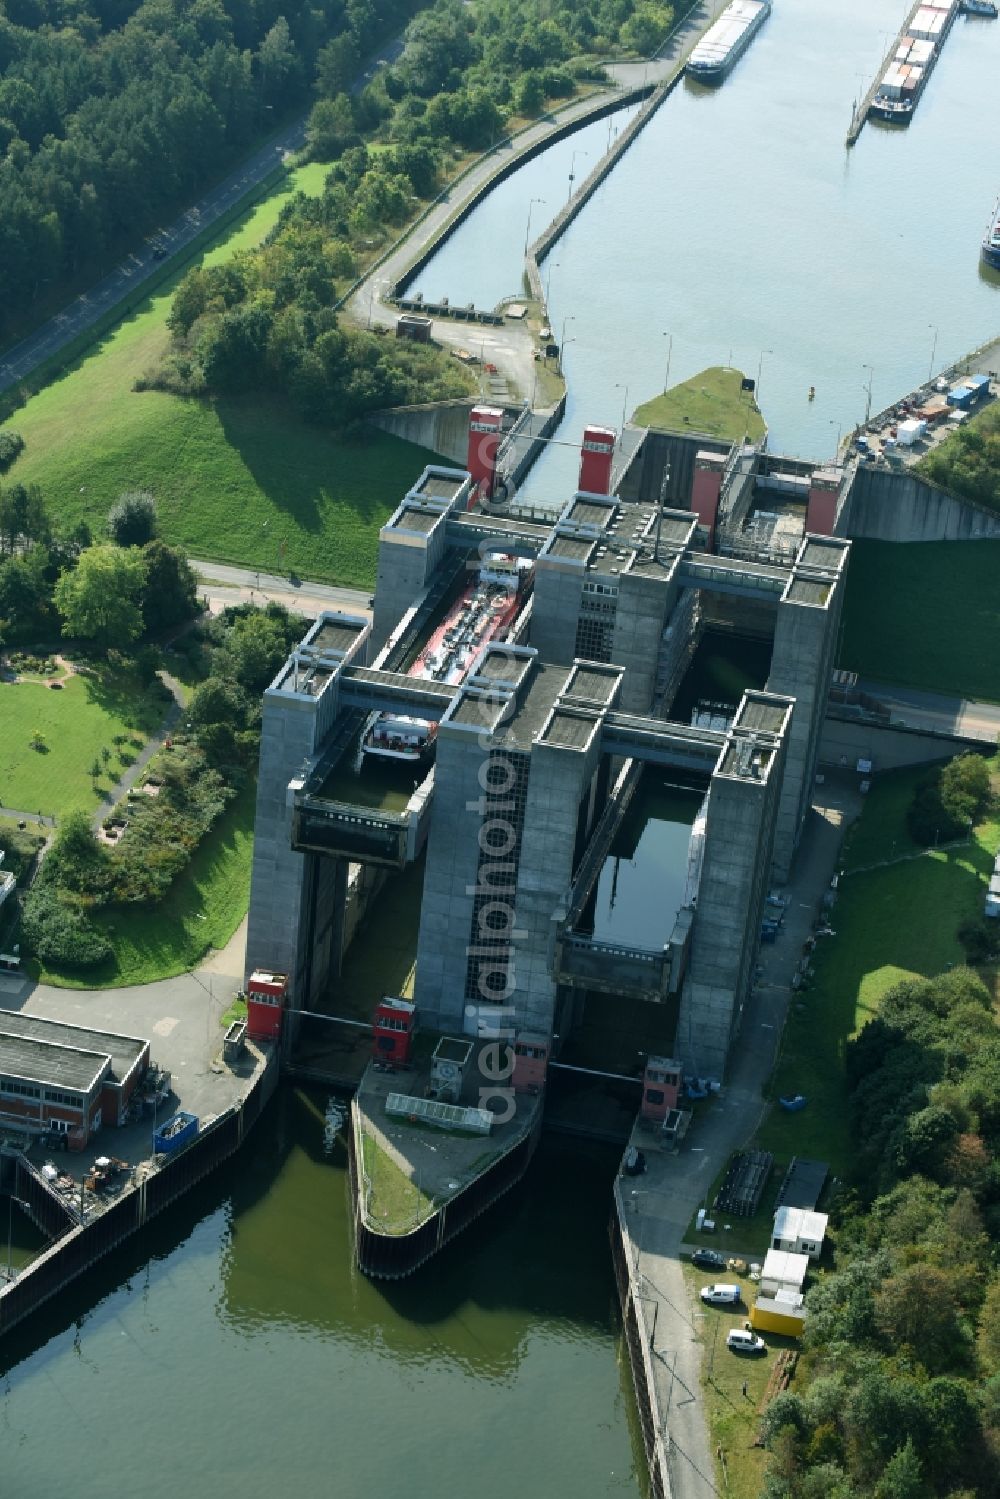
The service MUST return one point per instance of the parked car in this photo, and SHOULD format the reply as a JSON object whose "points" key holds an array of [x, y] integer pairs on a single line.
{"points": [[722, 1293], [741, 1341], [708, 1259]]}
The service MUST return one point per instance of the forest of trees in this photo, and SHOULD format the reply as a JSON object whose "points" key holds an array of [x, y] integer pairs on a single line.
{"points": [[898, 1392], [968, 462], [114, 113], [266, 320]]}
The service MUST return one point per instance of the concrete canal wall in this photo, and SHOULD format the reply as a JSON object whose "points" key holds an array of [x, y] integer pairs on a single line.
{"points": [[607, 105], [889, 505], [441, 426], [845, 741], [546, 241], [640, 1352], [77, 1246]]}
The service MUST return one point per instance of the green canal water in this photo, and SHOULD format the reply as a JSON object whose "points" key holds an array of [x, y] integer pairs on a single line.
{"points": [[233, 1349], [641, 885]]}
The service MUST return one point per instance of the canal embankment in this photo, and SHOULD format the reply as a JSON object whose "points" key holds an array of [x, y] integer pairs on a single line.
{"points": [[512, 347]]}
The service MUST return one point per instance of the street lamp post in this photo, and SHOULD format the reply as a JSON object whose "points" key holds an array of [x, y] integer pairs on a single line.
{"points": [[760, 366], [670, 350], [836, 451], [559, 365], [620, 385], [10, 1231], [572, 169], [527, 231], [868, 389], [930, 372], [548, 281], [569, 318]]}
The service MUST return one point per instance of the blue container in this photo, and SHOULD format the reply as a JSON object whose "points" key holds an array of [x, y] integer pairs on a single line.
{"points": [[175, 1133]]}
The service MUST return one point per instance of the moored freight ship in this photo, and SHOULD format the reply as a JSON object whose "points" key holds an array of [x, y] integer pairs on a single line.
{"points": [[484, 611], [917, 50], [726, 41], [991, 240]]}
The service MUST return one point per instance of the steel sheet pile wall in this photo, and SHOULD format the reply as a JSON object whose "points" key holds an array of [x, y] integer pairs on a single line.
{"points": [[51, 1213], [391, 1257], [659, 1481], [78, 1247]]}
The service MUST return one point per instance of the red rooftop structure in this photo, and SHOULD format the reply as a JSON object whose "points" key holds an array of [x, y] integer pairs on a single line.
{"points": [[267, 995], [395, 1027], [661, 1087], [531, 1062]]}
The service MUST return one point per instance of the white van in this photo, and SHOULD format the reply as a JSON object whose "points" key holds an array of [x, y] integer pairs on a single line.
{"points": [[721, 1294], [741, 1341]]}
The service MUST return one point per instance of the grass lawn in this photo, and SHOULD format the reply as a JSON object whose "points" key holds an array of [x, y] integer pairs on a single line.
{"points": [[236, 1011], [882, 833], [710, 402], [396, 1203], [203, 908], [76, 723], [747, 1236], [924, 615], [733, 1417], [236, 481], [890, 923]]}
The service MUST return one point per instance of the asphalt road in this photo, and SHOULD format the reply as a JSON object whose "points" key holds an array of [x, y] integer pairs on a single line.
{"points": [[140, 266], [934, 711], [223, 585]]}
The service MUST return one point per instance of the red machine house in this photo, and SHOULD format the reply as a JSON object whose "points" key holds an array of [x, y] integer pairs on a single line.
{"points": [[394, 1028], [267, 996], [531, 1062], [661, 1086], [597, 453]]}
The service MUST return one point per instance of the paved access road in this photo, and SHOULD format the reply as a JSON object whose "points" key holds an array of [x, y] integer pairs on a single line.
{"points": [[659, 1205], [223, 585], [510, 347], [914, 709], [139, 267]]}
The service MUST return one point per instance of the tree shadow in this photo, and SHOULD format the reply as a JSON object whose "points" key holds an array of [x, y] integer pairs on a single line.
{"points": [[119, 694], [305, 469]]}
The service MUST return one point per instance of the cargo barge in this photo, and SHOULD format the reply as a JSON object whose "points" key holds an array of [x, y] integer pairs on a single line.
{"points": [[725, 42], [990, 251], [917, 49], [483, 612]]}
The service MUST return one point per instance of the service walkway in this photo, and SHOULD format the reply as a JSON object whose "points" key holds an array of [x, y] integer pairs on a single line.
{"points": [[656, 1208]]}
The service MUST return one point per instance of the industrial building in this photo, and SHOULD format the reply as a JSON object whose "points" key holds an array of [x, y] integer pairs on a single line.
{"points": [[538, 742], [65, 1079]]}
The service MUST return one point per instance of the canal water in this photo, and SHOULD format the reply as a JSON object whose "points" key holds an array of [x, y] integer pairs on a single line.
{"points": [[641, 884], [484, 261], [723, 667], [740, 224], [232, 1350], [640, 888]]}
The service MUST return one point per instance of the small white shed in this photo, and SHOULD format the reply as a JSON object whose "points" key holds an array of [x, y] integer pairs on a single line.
{"points": [[799, 1231], [783, 1271]]}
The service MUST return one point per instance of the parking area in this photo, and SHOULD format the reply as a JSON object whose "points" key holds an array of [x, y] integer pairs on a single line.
{"points": [[878, 442]]}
